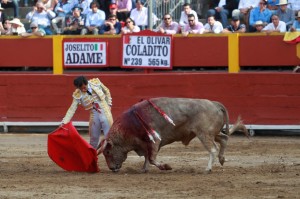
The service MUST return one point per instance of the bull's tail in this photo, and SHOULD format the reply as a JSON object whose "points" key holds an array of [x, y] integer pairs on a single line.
{"points": [[239, 127], [226, 116]]}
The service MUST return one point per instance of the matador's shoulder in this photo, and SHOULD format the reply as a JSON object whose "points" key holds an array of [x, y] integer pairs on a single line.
{"points": [[95, 82], [77, 94]]}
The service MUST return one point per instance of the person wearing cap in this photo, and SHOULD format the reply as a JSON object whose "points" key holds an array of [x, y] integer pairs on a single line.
{"points": [[94, 97], [275, 26], [113, 10], [16, 28], [130, 26], [260, 13], [111, 26], [75, 22], [235, 26], [34, 31], [123, 8], [11, 4], [244, 9], [273, 5], [94, 20], [62, 10], [285, 14], [296, 24], [168, 26], [193, 27], [259, 25], [213, 26], [42, 17]]}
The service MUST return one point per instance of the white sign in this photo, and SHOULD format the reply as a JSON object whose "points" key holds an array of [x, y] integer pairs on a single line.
{"points": [[147, 51], [83, 53]]}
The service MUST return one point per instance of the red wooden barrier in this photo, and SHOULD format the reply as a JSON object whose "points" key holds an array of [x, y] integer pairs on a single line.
{"points": [[266, 98]]}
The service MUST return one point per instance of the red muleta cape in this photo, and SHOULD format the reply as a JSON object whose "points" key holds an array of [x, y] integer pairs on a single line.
{"points": [[70, 151]]}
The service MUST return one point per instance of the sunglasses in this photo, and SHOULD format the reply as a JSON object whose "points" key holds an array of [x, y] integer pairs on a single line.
{"points": [[112, 19], [191, 20], [33, 28], [167, 18], [127, 22]]}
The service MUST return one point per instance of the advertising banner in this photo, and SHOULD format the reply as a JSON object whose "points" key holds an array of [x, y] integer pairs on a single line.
{"points": [[147, 49], [82, 53]]}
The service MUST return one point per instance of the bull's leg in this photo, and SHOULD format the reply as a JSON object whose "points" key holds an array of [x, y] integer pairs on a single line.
{"points": [[211, 147], [152, 157], [221, 138]]}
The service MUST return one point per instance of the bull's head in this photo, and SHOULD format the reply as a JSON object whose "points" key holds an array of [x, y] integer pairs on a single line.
{"points": [[114, 154]]}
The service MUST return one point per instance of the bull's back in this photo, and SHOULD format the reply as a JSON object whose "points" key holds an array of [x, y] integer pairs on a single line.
{"points": [[191, 117]]}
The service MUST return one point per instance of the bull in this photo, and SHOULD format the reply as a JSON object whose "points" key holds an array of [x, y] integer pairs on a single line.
{"points": [[151, 124]]}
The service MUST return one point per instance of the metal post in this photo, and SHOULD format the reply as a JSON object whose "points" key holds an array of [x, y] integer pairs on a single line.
{"points": [[150, 11]]}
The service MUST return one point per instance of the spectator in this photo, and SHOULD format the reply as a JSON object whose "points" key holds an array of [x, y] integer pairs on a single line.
{"points": [[62, 10], [75, 22], [140, 15], [85, 5], [275, 25], [111, 26], [259, 25], [104, 5], [213, 26], [113, 10], [5, 27], [168, 26], [184, 15], [285, 14], [3, 16], [273, 5], [260, 13], [222, 9], [94, 20], [34, 31], [236, 26], [296, 24], [130, 26], [124, 7], [243, 10], [194, 27], [16, 28], [294, 5], [11, 4], [42, 17]]}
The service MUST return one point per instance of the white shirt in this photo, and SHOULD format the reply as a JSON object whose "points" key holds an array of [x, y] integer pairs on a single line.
{"points": [[248, 3], [294, 5], [222, 3], [281, 27], [43, 18], [216, 28], [141, 16], [184, 18]]}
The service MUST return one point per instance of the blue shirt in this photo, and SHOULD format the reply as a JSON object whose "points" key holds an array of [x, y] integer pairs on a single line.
{"points": [[256, 15]]}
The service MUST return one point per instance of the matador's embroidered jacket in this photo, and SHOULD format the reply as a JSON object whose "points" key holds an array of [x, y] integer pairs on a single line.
{"points": [[100, 95]]}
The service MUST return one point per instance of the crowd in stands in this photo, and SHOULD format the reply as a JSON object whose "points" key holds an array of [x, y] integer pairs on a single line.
{"points": [[96, 17]]}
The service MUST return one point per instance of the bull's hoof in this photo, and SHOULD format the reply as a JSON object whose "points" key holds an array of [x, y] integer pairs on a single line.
{"points": [[167, 167], [164, 167], [207, 171], [222, 160]]}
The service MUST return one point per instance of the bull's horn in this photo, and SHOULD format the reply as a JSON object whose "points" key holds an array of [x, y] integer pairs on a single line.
{"points": [[102, 147]]}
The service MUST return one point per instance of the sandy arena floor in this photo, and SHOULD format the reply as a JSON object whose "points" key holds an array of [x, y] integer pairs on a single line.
{"points": [[262, 167]]}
